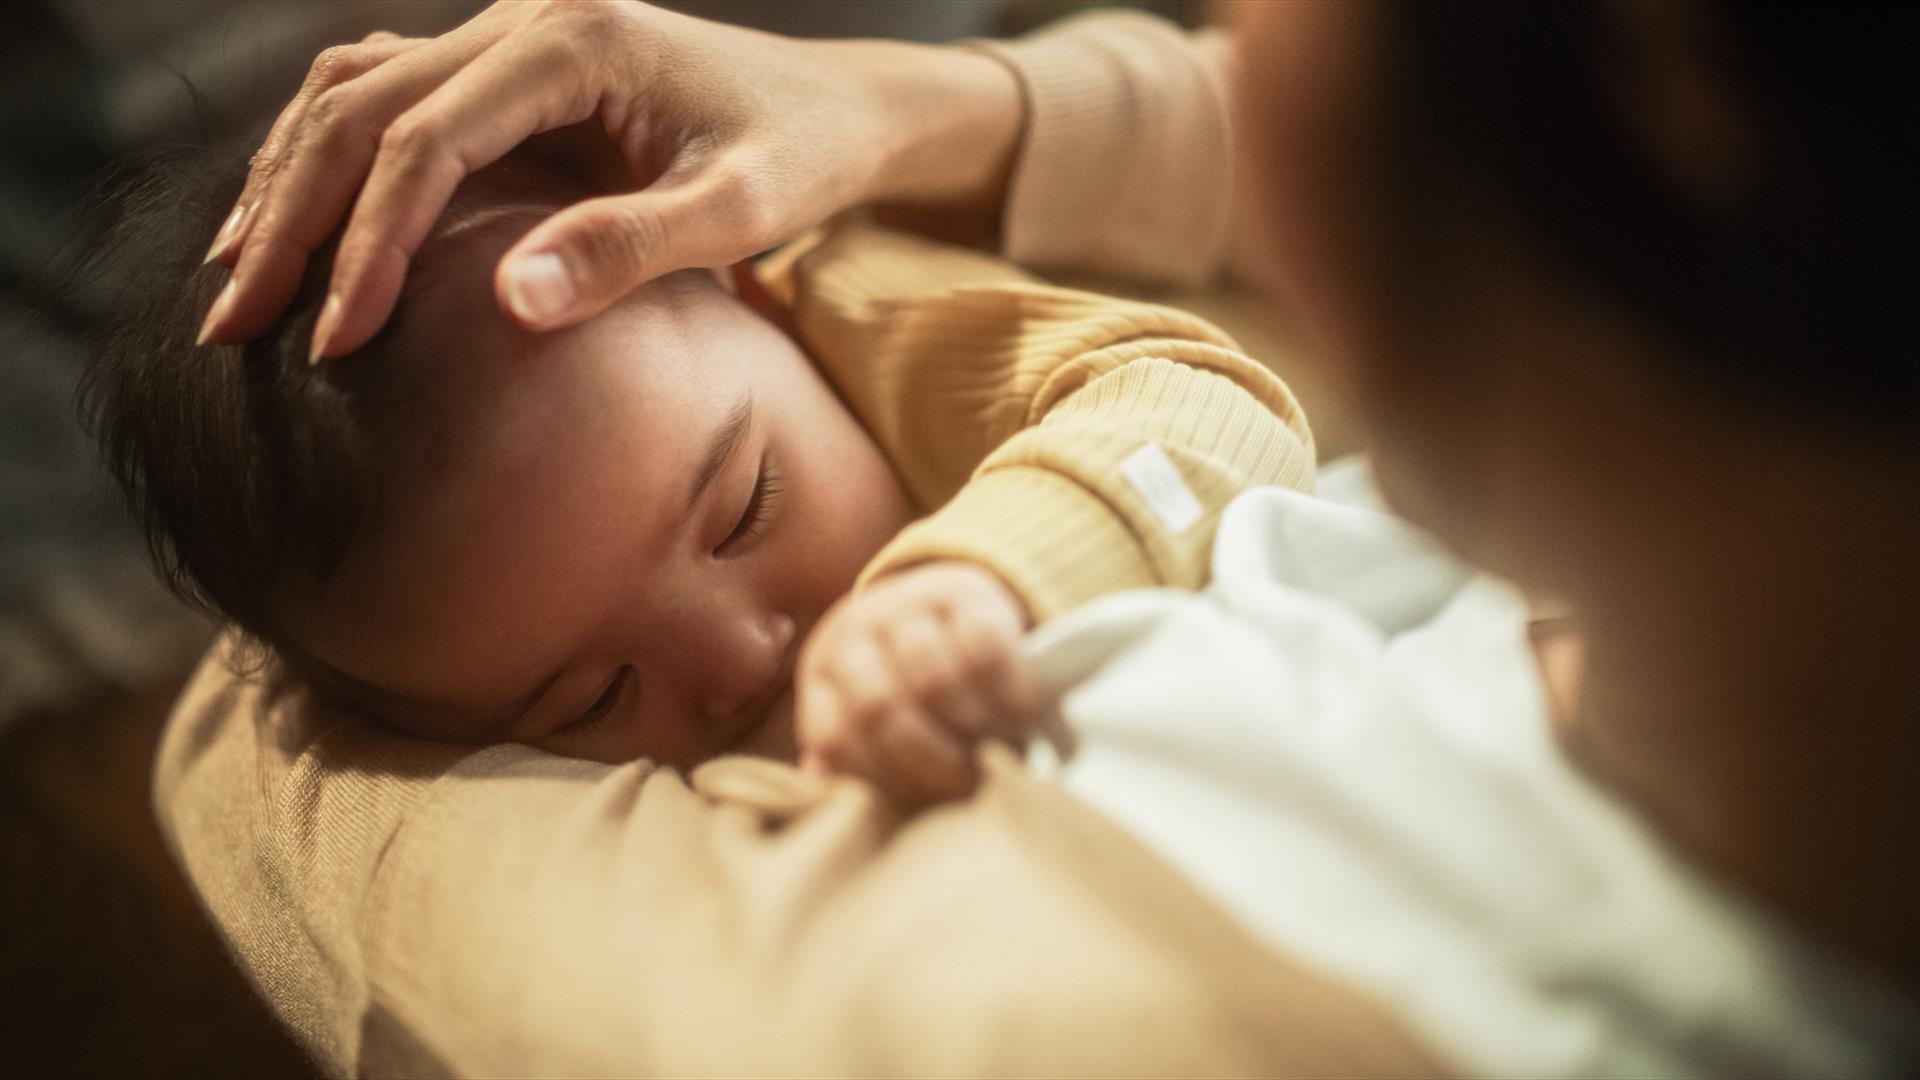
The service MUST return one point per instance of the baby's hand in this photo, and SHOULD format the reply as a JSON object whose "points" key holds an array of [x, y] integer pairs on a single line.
{"points": [[897, 683]]}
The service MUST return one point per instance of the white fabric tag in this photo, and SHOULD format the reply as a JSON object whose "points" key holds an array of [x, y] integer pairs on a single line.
{"points": [[1154, 475]]}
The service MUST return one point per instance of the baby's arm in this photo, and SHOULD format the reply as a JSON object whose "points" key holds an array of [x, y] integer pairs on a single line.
{"points": [[1073, 445]]}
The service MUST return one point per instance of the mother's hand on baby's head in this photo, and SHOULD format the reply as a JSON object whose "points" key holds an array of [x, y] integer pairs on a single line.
{"points": [[717, 143], [388, 129], [898, 682]]}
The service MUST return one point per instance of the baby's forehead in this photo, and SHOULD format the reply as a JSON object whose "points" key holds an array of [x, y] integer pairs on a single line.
{"points": [[450, 281], [488, 212], [488, 375], [453, 323], [498, 385]]}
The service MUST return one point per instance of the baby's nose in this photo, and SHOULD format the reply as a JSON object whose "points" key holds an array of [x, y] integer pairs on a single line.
{"points": [[751, 660]]}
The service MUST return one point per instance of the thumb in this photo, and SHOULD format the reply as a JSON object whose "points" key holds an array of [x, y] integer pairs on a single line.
{"points": [[579, 261]]}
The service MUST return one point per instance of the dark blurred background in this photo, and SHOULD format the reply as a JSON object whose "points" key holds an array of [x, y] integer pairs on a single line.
{"points": [[109, 967]]}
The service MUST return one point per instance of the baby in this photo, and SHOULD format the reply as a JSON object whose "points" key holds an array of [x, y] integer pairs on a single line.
{"points": [[638, 536]]}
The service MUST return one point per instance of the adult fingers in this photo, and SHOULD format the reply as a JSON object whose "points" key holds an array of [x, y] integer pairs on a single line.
{"points": [[334, 66], [315, 178], [577, 262], [510, 93]]}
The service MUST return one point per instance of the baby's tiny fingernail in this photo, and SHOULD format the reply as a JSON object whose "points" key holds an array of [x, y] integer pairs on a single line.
{"points": [[215, 314], [324, 329], [538, 287], [227, 229]]}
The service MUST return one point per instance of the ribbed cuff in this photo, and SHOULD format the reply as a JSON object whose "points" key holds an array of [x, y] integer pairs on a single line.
{"points": [[1123, 166], [1054, 543]]}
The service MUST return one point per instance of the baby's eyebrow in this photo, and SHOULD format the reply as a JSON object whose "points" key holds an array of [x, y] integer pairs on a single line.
{"points": [[727, 440]]}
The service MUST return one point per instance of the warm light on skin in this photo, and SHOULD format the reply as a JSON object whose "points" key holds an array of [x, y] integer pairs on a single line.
{"points": [[546, 546]]}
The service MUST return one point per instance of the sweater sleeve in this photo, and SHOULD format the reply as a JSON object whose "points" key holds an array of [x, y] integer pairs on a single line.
{"points": [[1073, 443], [1124, 167], [414, 909]]}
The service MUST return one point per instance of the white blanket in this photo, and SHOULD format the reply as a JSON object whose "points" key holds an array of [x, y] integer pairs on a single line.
{"points": [[1344, 741]]}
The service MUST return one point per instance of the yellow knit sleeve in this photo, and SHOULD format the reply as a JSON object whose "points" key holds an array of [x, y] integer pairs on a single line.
{"points": [[1073, 443]]}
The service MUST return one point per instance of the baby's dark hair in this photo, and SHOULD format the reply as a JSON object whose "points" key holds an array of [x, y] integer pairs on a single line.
{"points": [[251, 471]]}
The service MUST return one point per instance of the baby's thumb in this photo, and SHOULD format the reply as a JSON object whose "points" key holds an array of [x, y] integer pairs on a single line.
{"points": [[579, 261]]}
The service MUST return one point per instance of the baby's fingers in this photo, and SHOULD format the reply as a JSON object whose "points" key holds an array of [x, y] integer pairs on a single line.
{"points": [[863, 721], [931, 668], [988, 652], [917, 762], [922, 762], [828, 744]]}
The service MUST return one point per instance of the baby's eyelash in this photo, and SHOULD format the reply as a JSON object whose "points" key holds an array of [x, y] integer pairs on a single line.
{"points": [[766, 490], [603, 705]]}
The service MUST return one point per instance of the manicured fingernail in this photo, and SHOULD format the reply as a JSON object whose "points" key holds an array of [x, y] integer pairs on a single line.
{"points": [[538, 288], [324, 328], [226, 234], [215, 313]]}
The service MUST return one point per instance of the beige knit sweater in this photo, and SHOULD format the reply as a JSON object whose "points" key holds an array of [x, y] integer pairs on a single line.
{"points": [[413, 908]]}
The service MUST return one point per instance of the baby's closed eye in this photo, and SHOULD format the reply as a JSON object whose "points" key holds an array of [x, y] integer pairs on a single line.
{"points": [[755, 514], [613, 695]]}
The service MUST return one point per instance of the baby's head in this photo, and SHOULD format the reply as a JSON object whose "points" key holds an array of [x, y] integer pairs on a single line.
{"points": [[607, 541]]}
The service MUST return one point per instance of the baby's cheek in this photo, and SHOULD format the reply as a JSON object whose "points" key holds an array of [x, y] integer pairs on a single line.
{"points": [[775, 738], [860, 507]]}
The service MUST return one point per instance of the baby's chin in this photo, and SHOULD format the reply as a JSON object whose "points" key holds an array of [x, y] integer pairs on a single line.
{"points": [[772, 737]]}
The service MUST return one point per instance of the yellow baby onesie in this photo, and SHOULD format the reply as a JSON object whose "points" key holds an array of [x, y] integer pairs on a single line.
{"points": [[1073, 443]]}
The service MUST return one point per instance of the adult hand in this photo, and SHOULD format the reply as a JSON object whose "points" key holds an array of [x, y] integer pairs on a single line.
{"points": [[898, 682], [729, 140]]}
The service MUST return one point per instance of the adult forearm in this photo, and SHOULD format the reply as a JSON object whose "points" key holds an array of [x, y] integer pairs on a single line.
{"points": [[1124, 165]]}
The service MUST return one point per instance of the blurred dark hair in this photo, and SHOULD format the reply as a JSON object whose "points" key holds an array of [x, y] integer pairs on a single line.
{"points": [[251, 472], [1798, 295]]}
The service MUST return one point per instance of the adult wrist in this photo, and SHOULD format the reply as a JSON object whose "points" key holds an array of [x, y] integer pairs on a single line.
{"points": [[950, 126]]}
